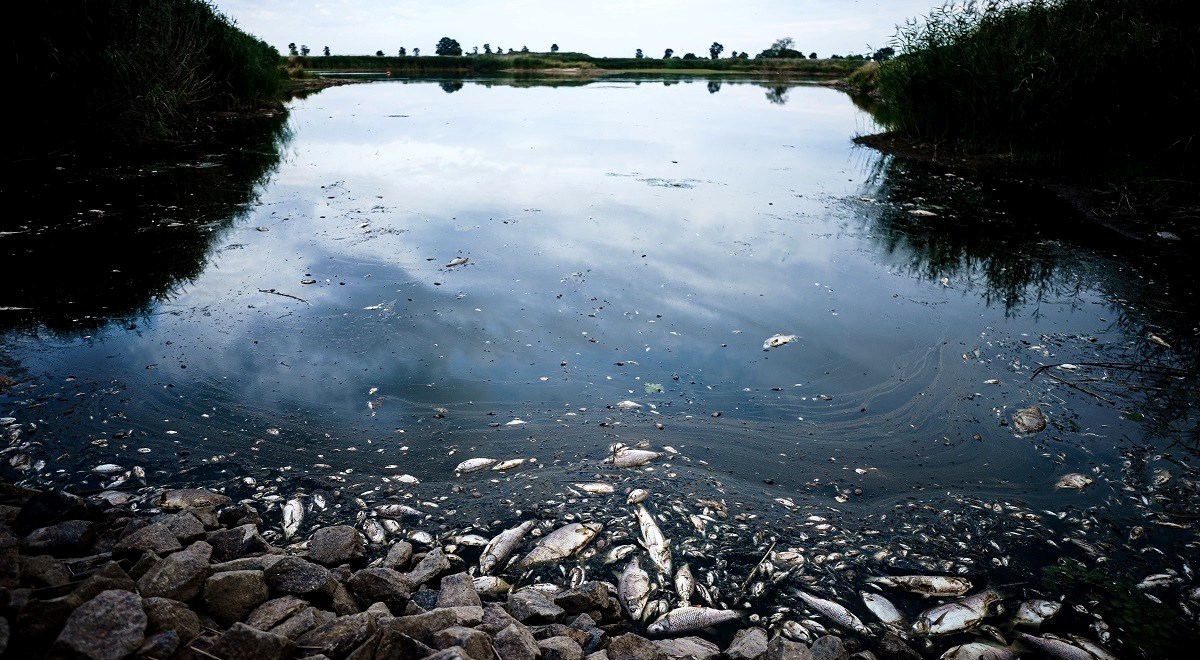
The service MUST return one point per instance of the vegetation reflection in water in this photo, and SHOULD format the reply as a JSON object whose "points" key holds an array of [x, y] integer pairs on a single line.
{"points": [[887, 458]]}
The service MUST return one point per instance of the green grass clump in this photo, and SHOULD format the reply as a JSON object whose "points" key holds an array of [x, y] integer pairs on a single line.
{"points": [[125, 70], [1068, 78]]}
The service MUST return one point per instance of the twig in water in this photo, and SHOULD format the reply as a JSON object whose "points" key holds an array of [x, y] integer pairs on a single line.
{"points": [[285, 295], [1070, 384], [202, 652], [760, 563]]}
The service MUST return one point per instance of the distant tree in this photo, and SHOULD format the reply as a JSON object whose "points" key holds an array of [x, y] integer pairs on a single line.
{"points": [[689, 56], [474, 50], [714, 86], [835, 57], [744, 55], [553, 48], [379, 53], [782, 44], [812, 56], [733, 54], [639, 54], [524, 49], [403, 52], [447, 47], [326, 51], [304, 50], [884, 54], [511, 51], [715, 50], [416, 52], [668, 53], [292, 49], [487, 49]]}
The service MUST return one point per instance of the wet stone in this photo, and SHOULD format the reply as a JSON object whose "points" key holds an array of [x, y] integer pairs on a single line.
{"points": [[425, 598], [381, 585], [391, 643], [191, 498], [298, 577], [634, 647], [828, 647], [339, 637], [588, 596], [343, 602], [688, 648], [457, 590], [166, 614], [398, 556], [515, 642], [229, 544], [179, 576], [475, 642], [784, 649], [232, 595], [43, 571], [529, 606], [560, 648], [891, 647], [10, 560], [863, 655], [186, 527], [243, 642], [108, 576], [160, 645], [40, 620], [421, 626], [452, 653], [431, 565], [339, 544], [48, 506], [302, 622], [110, 626], [157, 539], [270, 613], [748, 644], [66, 539], [495, 619]]}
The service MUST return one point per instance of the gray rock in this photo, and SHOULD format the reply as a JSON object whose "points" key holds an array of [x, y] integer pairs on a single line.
{"points": [[529, 606], [229, 544], [829, 647], [186, 527], [339, 544], [863, 655], [421, 626], [164, 614], [456, 591], [431, 565], [43, 571], [299, 577], [259, 563], [243, 642], [190, 498], [398, 556], [159, 645], [151, 538], [748, 644], [785, 649], [466, 615], [303, 621], [179, 576], [271, 613], [633, 647], [343, 602], [10, 559], [475, 642], [381, 585], [452, 653], [144, 564], [495, 619], [560, 647], [4, 636], [588, 596], [72, 538], [232, 595], [891, 647], [598, 655], [108, 576], [40, 621], [339, 637], [515, 642], [689, 648], [107, 627]]}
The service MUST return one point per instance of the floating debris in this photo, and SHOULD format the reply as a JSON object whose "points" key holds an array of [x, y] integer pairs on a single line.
{"points": [[1074, 481], [457, 261], [474, 465], [926, 585], [625, 457], [1029, 420], [775, 341]]}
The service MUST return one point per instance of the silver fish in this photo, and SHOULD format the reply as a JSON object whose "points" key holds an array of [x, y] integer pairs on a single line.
{"points": [[633, 590], [457, 261], [884, 609], [958, 616], [836, 613], [795, 632], [926, 585], [504, 466], [637, 496], [685, 583], [652, 537], [631, 457], [1055, 647], [979, 651], [374, 531], [686, 619], [397, 511], [618, 552], [576, 577], [293, 516], [595, 488], [474, 465], [1088, 645], [561, 543], [1034, 612], [501, 546], [489, 585]]}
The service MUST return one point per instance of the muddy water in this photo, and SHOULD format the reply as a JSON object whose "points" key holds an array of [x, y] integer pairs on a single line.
{"points": [[283, 310]]}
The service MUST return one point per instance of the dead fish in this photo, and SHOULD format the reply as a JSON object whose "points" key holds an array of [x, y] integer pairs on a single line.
{"points": [[561, 543], [504, 466], [958, 616], [293, 515], [979, 651], [685, 584], [833, 611], [926, 585], [628, 405], [457, 261], [1034, 612], [637, 496], [619, 552], [107, 469], [1029, 420], [775, 341], [397, 511], [1073, 481], [374, 531], [489, 585], [421, 537], [516, 422], [626, 457], [885, 611], [1157, 340], [795, 632], [496, 552], [1088, 645], [595, 488], [407, 479], [686, 619], [190, 498], [633, 590], [652, 537], [474, 465], [922, 213], [1055, 647], [471, 540]]}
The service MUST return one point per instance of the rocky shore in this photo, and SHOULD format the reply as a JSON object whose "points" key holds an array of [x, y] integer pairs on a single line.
{"points": [[189, 574]]}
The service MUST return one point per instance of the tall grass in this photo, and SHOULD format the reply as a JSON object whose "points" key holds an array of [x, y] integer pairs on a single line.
{"points": [[1067, 78], [119, 70]]}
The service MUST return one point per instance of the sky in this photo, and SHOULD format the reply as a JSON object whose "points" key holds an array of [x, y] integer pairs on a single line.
{"points": [[611, 28]]}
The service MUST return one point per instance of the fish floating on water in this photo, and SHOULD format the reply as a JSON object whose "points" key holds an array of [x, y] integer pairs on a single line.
{"points": [[833, 611], [775, 341], [561, 543], [626, 457], [293, 515], [457, 261], [653, 539], [687, 619], [927, 585], [502, 545], [1073, 481], [1029, 420], [633, 590]]}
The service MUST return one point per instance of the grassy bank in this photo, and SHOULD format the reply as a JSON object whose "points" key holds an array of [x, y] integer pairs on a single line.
{"points": [[1063, 80], [128, 70]]}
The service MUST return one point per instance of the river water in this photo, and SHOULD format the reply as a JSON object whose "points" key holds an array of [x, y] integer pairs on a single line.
{"points": [[282, 310]]}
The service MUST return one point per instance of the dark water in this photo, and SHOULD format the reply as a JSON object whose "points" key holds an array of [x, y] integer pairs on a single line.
{"points": [[627, 240]]}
